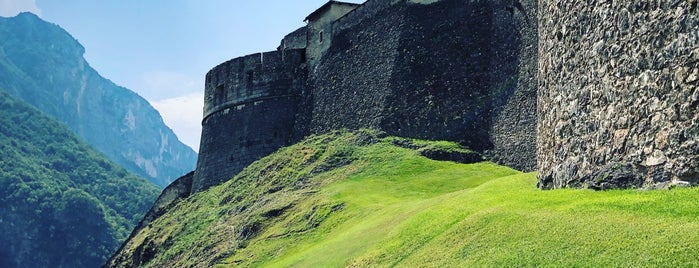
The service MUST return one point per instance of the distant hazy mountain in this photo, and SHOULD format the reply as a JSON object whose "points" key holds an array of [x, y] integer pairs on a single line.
{"points": [[43, 65], [62, 203]]}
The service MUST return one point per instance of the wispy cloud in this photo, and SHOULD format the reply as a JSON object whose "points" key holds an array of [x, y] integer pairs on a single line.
{"points": [[159, 85], [10, 8], [183, 114]]}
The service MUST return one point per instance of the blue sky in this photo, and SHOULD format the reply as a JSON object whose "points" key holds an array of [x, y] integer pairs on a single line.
{"points": [[163, 49]]}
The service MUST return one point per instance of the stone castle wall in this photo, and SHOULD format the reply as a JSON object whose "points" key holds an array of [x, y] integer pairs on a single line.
{"points": [[514, 83], [254, 77], [249, 110], [295, 40], [349, 85], [368, 9], [614, 85], [462, 77], [446, 69], [618, 97]]}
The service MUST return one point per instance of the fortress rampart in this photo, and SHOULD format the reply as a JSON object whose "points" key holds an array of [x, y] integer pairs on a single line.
{"points": [[295, 40], [446, 69], [614, 84], [368, 9], [254, 77], [618, 97], [461, 77], [249, 109]]}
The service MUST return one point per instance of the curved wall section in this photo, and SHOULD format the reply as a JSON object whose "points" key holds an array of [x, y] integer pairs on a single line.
{"points": [[252, 77], [249, 109]]}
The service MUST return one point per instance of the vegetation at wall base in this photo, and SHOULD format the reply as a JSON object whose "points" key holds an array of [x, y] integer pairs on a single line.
{"points": [[356, 199]]}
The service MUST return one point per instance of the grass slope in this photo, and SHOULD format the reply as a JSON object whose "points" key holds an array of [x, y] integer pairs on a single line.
{"points": [[352, 199]]}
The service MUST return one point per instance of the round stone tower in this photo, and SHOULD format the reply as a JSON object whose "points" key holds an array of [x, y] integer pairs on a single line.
{"points": [[618, 101], [249, 108]]}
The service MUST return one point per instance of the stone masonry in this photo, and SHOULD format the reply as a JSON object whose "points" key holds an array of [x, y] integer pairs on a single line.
{"points": [[249, 109], [599, 95], [618, 99], [456, 78], [449, 69]]}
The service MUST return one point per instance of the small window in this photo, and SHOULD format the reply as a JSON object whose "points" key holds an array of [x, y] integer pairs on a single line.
{"points": [[249, 83], [250, 77], [219, 95], [320, 36]]}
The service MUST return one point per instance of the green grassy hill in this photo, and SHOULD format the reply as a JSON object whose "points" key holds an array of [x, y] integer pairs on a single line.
{"points": [[358, 200]]}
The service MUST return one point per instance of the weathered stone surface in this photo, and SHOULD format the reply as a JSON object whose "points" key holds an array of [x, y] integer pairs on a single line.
{"points": [[618, 101], [448, 69], [249, 109], [514, 84], [462, 77]]}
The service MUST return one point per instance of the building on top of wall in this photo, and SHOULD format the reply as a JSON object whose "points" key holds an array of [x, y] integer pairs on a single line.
{"points": [[445, 69], [319, 29], [251, 101]]}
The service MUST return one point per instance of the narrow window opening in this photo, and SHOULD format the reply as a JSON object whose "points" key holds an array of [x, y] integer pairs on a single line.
{"points": [[219, 95], [249, 83], [250, 77], [320, 36]]}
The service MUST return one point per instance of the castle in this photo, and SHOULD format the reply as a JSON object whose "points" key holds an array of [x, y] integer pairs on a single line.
{"points": [[384, 64], [600, 95]]}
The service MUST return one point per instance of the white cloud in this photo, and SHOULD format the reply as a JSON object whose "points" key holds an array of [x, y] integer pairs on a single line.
{"points": [[10, 8], [165, 85], [183, 114]]}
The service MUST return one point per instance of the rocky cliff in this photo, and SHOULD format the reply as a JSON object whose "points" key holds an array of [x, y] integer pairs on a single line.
{"points": [[43, 65]]}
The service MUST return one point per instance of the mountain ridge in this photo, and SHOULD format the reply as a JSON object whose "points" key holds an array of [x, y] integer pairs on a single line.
{"points": [[43, 65]]}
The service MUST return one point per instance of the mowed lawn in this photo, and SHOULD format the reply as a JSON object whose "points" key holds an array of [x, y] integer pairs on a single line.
{"points": [[394, 207]]}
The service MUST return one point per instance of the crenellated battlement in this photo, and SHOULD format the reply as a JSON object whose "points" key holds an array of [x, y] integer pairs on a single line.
{"points": [[252, 78], [385, 64], [249, 111]]}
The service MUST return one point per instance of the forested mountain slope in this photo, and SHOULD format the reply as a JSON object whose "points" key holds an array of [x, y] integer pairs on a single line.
{"points": [[62, 203], [43, 65]]}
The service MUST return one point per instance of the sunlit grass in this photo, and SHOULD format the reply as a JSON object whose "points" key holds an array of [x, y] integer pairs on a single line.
{"points": [[389, 206], [410, 211]]}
